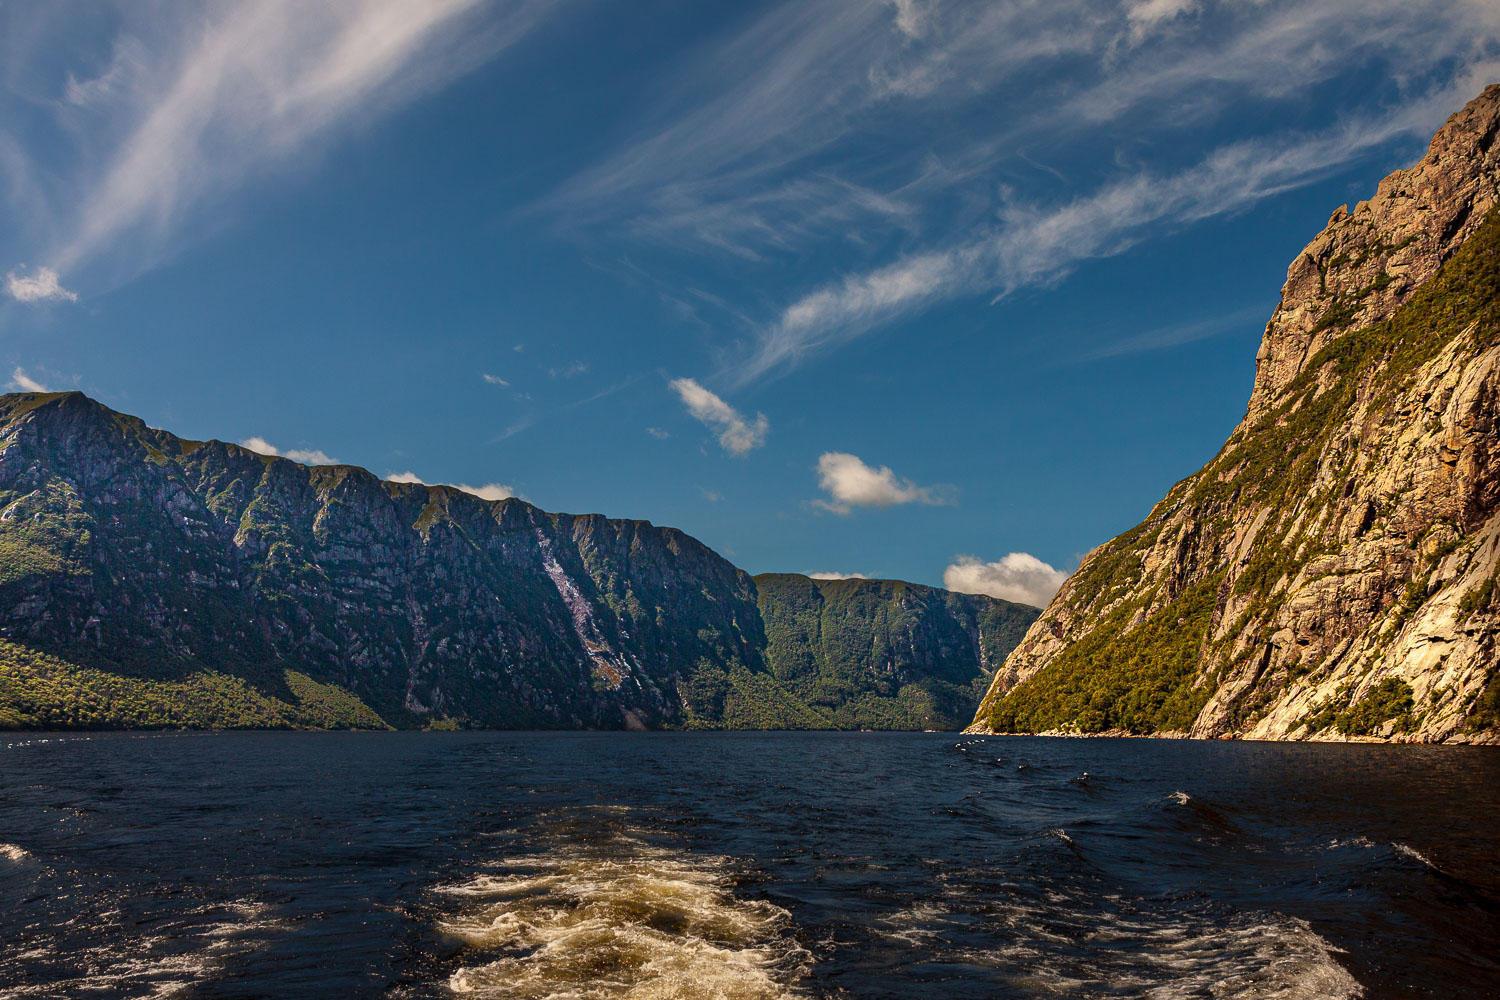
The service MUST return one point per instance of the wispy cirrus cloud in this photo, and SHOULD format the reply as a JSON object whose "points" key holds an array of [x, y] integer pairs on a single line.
{"points": [[890, 141], [186, 104], [1030, 245]]}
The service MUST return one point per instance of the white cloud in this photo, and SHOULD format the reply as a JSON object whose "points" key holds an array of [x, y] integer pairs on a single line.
{"points": [[494, 379], [198, 101], [42, 286], [1146, 15], [1040, 246], [712, 496], [825, 131], [572, 370], [837, 576], [306, 456], [1018, 577], [489, 491], [22, 382], [851, 483], [737, 435], [658, 433]]}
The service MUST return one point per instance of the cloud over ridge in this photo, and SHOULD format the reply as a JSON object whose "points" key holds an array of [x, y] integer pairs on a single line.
{"points": [[1018, 577]]}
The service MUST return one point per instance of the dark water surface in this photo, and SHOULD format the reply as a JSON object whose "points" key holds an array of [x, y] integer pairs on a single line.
{"points": [[743, 866]]}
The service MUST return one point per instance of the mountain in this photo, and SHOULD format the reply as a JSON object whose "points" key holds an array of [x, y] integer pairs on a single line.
{"points": [[883, 654], [1331, 573], [147, 580]]}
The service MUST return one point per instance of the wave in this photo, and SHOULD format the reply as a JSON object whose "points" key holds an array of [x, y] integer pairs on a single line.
{"points": [[12, 852], [1414, 854], [1155, 956], [173, 959], [613, 915]]}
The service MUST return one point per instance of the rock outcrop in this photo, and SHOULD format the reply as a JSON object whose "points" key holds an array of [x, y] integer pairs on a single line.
{"points": [[1331, 573]]}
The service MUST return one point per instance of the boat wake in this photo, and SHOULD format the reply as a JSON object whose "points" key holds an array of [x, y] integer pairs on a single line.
{"points": [[609, 914]]}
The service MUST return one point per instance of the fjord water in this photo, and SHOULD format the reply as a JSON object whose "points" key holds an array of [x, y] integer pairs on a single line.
{"points": [[743, 865]]}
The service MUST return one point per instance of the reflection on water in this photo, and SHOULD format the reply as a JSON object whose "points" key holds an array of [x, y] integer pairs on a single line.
{"points": [[725, 866], [597, 911]]}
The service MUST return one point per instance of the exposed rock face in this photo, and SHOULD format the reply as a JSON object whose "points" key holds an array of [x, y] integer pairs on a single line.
{"points": [[1366, 263], [1331, 574], [132, 553]]}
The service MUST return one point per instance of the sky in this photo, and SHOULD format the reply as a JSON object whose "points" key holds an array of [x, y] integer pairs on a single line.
{"points": [[949, 292]]}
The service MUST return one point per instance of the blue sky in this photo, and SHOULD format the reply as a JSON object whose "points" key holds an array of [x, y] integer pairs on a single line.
{"points": [[926, 290]]}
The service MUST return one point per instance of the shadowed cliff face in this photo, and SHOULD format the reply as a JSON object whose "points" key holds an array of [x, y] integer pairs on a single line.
{"points": [[124, 546], [148, 580], [1331, 574]]}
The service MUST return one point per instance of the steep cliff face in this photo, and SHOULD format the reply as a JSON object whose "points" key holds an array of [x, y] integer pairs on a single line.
{"points": [[1331, 573], [146, 580], [883, 654], [127, 548]]}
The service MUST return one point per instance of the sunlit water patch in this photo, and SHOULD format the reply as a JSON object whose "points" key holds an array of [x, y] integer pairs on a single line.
{"points": [[111, 954], [596, 913]]}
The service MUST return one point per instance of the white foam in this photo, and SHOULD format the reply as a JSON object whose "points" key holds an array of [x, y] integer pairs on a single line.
{"points": [[172, 960], [1060, 950], [602, 916], [1412, 852]]}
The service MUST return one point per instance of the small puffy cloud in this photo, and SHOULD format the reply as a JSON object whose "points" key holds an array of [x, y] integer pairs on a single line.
{"points": [[489, 491], [658, 433], [494, 379], [568, 371], [43, 286], [306, 456], [310, 456], [837, 576], [712, 496], [260, 446], [736, 434], [851, 483], [1018, 577], [22, 382]]}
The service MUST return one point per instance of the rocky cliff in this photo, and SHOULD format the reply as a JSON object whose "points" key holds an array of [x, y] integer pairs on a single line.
{"points": [[883, 654], [149, 580], [1331, 573]]}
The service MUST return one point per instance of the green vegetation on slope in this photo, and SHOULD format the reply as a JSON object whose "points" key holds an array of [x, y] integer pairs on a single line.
{"points": [[1390, 699], [38, 691], [883, 654], [1115, 675], [1136, 679]]}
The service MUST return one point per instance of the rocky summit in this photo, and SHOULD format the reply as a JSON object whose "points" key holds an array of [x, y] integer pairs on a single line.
{"points": [[147, 580], [1331, 573]]}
